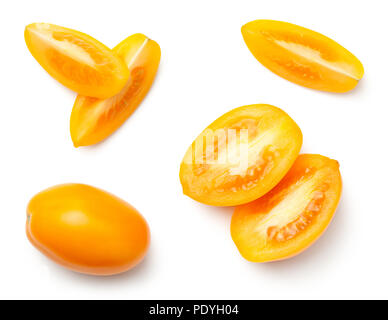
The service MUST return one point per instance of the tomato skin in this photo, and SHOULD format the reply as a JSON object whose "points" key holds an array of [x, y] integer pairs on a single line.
{"points": [[271, 145], [76, 60], [87, 229], [302, 56], [293, 215], [93, 120]]}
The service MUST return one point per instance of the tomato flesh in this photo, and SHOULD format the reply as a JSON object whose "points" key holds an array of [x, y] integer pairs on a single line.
{"points": [[291, 216], [93, 120], [76, 60], [86, 229], [302, 56], [240, 156]]}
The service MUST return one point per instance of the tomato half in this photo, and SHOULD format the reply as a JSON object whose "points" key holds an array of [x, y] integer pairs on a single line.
{"points": [[240, 156], [86, 229], [293, 215], [76, 60], [302, 56], [93, 120]]}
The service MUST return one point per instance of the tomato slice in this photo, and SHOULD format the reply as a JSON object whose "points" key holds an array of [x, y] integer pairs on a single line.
{"points": [[240, 156], [93, 120], [302, 56], [291, 216], [76, 60], [87, 229]]}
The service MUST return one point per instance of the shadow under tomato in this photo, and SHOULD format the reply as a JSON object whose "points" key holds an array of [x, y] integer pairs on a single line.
{"points": [[225, 211]]}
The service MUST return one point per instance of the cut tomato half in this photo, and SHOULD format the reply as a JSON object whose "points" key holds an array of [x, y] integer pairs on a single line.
{"points": [[291, 216], [302, 56], [240, 156], [93, 120], [76, 60]]}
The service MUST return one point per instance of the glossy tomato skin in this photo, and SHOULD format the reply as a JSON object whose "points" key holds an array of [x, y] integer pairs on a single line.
{"points": [[293, 215], [302, 56], [93, 120], [87, 229], [76, 60], [240, 156]]}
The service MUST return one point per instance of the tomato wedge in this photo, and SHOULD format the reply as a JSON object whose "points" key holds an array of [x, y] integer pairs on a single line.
{"points": [[76, 60], [93, 120], [293, 215], [302, 56], [87, 229], [240, 156]]}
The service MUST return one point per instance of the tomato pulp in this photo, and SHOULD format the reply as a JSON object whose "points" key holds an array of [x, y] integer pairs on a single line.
{"points": [[291, 216]]}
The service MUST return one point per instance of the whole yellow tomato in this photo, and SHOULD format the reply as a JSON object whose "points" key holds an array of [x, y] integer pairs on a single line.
{"points": [[87, 229]]}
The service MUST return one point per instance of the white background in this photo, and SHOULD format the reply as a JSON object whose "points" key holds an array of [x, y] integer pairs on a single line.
{"points": [[205, 70]]}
